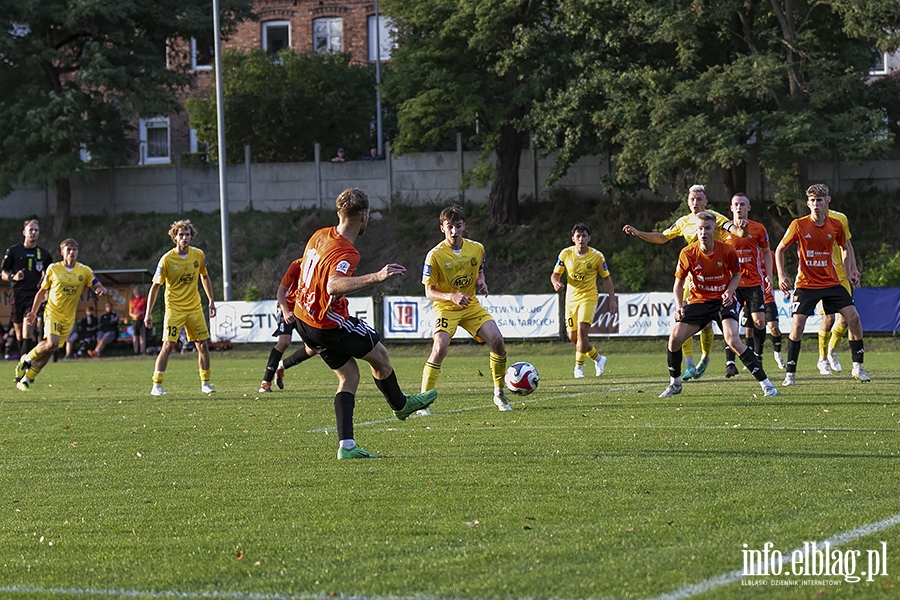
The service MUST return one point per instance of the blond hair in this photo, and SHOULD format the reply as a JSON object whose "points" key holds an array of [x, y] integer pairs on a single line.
{"points": [[68, 243], [705, 215]]}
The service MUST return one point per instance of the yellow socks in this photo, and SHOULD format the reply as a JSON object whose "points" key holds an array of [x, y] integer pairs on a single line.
{"points": [[498, 369], [430, 375]]}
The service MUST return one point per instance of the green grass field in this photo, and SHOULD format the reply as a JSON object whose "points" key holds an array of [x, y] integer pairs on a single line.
{"points": [[592, 488]]}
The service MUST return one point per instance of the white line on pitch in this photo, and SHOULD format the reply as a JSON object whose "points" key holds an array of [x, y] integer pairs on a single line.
{"points": [[694, 589]]}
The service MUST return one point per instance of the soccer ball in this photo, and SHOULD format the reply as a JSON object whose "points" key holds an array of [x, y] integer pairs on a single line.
{"points": [[521, 378]]}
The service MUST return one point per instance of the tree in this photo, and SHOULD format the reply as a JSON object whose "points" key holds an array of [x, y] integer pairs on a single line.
{"points": [[281, 106], [714, 85], [454, 71], [76, 75]]}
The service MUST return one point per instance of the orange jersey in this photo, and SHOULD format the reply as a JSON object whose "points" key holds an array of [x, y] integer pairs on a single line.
{"points": [[710, 273], [816, 269], [291, 281], [327, 253], [749, 252]]}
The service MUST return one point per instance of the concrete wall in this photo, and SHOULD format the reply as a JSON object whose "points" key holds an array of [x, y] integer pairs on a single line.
{"points": [[412, 179]]}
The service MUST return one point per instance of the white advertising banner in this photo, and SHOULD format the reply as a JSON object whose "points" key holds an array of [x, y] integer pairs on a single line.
{"points": [[519, 317], [241, 322], [650, 314]]}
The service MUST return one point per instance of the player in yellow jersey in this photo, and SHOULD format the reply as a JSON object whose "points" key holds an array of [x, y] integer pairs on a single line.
{"points": [[582, 264], [179, 269], [452, 274], [686, 227], [64, 281], [833, 328]]}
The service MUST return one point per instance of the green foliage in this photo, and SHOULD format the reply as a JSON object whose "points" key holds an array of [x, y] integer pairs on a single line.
{"points": [[455, 71], [882, 268], [77, 74], [281, 106], [677, 90], [252, 294]]}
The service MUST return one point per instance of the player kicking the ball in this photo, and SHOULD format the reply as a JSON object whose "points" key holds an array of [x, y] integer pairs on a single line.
{"points": [[324, 322], [715, 275]]}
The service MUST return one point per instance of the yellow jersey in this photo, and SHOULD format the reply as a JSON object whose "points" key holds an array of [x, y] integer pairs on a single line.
{"points": [[65, 286], [453, 271], [180, 275], [688, 225], [581, 273], [837, 256]]}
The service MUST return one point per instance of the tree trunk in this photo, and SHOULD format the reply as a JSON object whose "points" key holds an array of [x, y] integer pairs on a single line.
{"points": [[63, 205], [736, 179], [503, 202], [801, 181]]}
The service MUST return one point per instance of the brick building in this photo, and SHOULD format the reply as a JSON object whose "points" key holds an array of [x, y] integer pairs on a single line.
{"points": [[320, 25]]}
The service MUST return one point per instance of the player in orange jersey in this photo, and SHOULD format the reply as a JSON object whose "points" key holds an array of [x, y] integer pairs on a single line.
{"points": [[715, 275], [324, 322], [755, 259], [817, 280]]}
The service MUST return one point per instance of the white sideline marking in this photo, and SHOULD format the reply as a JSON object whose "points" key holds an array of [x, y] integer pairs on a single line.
{"points": [[682, 593], [691, 590]]}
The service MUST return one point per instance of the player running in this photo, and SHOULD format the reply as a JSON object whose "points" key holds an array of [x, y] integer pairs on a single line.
{"points": [[715, 275], [687, 227], [64, 281]]}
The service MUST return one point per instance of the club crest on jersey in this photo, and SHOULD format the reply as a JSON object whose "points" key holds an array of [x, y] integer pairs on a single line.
{"points": [[473, 262], [196, 264], [807, 236]]}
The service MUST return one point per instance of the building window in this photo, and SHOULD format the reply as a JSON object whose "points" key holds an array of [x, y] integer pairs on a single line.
{"points": [[202, 54], [385, 37], [155, 141], [328, 35], [276, 36], [196, 146]]}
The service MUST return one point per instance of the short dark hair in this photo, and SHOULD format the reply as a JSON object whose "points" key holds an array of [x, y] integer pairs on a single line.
{"points": [[453, 213], [580, 227], [351, 202]]}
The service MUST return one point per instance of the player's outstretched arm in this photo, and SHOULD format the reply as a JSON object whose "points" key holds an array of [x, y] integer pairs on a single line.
{"points": [[654, 237], [339, 285]]}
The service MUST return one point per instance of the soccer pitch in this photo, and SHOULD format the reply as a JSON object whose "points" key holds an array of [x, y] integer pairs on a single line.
{"points": [[589, 489]]}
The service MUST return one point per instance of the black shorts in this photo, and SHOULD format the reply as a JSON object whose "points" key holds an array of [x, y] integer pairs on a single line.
{"points": [[771, 310], [833, 299], [284, 328], [702, 313], [21, 304], [752, 298], [354, 339]]}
